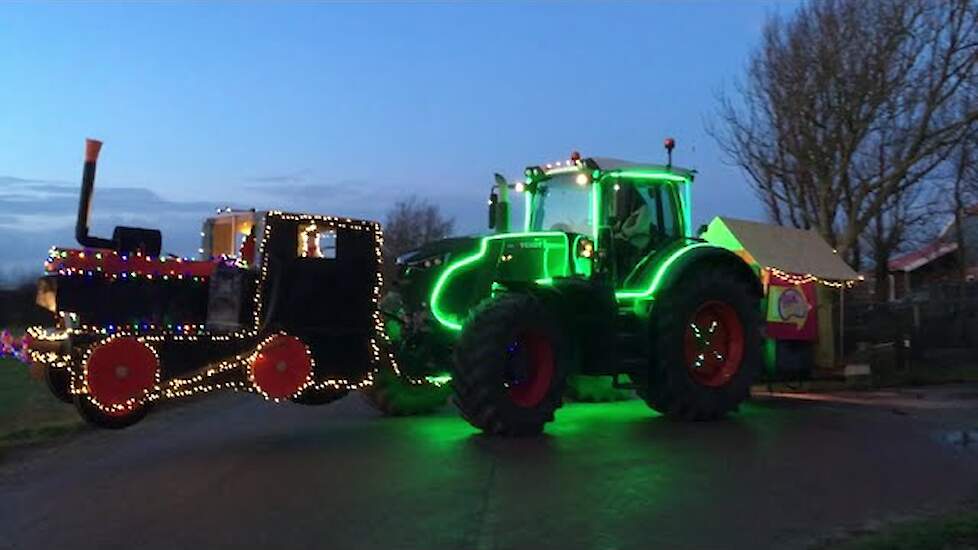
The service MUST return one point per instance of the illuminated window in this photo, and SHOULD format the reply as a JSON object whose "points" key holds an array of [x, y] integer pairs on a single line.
{"points": [[316, 242]]}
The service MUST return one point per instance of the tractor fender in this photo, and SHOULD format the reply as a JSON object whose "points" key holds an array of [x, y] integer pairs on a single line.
{"points": [[676, 263]]}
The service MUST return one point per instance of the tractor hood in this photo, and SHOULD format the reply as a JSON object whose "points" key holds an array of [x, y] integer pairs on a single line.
{"points": [[469, 275]]}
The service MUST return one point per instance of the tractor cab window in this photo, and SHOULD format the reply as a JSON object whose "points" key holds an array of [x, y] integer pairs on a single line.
{"points": [[561, 204], [646, 218]]}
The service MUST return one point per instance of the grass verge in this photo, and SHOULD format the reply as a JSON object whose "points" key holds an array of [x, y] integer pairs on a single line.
{"points": [[959, 530], [28, 411]]}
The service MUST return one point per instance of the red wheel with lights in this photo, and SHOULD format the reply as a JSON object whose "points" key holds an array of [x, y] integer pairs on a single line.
{"points": [[714, 343], [511, 366], [119, 376], [707, 344], [281, 368]]}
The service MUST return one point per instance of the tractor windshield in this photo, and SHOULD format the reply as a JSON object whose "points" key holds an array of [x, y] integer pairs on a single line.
{"points": [[561, 204]]}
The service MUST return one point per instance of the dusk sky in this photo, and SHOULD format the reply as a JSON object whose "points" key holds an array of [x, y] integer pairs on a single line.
{"points": [[343, 109]]}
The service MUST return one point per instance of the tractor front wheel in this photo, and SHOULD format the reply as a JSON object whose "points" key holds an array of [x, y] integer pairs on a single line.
{"points": [[510, 366], [706, 346]]}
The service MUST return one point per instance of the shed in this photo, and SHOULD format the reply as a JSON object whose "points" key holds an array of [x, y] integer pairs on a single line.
{"points": [[800, 271]]}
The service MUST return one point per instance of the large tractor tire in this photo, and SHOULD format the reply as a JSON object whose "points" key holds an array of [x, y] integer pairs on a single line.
{"points": [[595, 389], [96, 416], [392, 395], [706, 346], [119, 374], [510, 366]]}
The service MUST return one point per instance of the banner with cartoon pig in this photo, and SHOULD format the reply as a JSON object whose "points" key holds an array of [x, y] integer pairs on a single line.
{"points": [[791, 313]]}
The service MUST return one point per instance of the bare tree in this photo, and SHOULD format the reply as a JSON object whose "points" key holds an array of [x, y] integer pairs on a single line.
{"points": [[904, 223], [413, 222], [849, 105], [963, 187]]}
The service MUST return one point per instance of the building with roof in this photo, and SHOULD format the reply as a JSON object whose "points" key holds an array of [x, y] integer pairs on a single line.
{"points": [[937, 261]]}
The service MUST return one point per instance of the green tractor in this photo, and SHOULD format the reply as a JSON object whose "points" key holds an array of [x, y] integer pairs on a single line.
{"points": [[605, 278]]}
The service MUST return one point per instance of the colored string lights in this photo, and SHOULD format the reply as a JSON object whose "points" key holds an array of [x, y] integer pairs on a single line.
{"points": [[231, 373]]}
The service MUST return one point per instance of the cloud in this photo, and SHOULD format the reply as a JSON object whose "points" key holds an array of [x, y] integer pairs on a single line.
{"points": [[293, 177], [302, 189], [35, 214], [11, 185]]}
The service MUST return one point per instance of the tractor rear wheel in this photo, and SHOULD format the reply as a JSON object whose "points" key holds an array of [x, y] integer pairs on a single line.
{"points": [[112, 420], [393, 395], [706, 346], [510, 366], [119, 375]]}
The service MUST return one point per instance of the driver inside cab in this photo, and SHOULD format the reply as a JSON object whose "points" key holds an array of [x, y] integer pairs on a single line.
{"points": [[636, 232]]}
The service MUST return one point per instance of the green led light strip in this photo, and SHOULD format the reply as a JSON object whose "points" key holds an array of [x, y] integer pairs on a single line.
{"points": [[441, 316], [688, 208], [660, 274], [595, 210], [646, 174]]}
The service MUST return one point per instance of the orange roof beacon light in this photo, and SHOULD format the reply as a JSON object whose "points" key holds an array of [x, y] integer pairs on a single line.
{"points": [[670, 144]]}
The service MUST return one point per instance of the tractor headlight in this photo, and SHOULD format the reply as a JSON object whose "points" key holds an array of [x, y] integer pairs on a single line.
{"points": [[585, 248]]}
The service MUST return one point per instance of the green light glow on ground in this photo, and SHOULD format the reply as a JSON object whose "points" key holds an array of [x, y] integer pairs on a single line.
{"points": [[660, 273], [439, 380], [444, 318]]}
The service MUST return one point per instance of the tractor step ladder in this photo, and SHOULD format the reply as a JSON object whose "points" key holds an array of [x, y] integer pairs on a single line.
{"points": [[631, 348]]}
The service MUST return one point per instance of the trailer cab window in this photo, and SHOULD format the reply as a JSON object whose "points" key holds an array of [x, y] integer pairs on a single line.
{"points": [[316, 242]]}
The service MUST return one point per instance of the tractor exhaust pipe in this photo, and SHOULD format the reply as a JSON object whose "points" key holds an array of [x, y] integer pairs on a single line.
{"points": [[92, 148]]}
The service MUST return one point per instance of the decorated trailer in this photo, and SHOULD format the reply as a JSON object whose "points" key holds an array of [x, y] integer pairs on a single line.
{"points": [[280, 304]]}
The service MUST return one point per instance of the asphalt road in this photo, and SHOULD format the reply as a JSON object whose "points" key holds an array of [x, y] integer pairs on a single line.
{"points": [[233, 471]]}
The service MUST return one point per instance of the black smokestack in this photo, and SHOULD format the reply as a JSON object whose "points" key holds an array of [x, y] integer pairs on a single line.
{"points": [[92, 148]]}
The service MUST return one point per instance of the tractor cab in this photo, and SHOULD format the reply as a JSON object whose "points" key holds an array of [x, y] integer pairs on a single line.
{"points": [[600, 221], [617, 212]]}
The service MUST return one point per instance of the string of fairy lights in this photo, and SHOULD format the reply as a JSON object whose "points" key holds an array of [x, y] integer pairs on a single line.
{"points": [[14, 348], [153, 335], [796, 279]]}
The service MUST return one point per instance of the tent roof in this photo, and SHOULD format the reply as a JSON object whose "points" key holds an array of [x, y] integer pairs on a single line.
{"points": [[786, 248]]}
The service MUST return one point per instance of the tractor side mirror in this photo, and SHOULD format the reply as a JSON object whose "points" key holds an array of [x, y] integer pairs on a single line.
{"points": [[493, 205]]}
